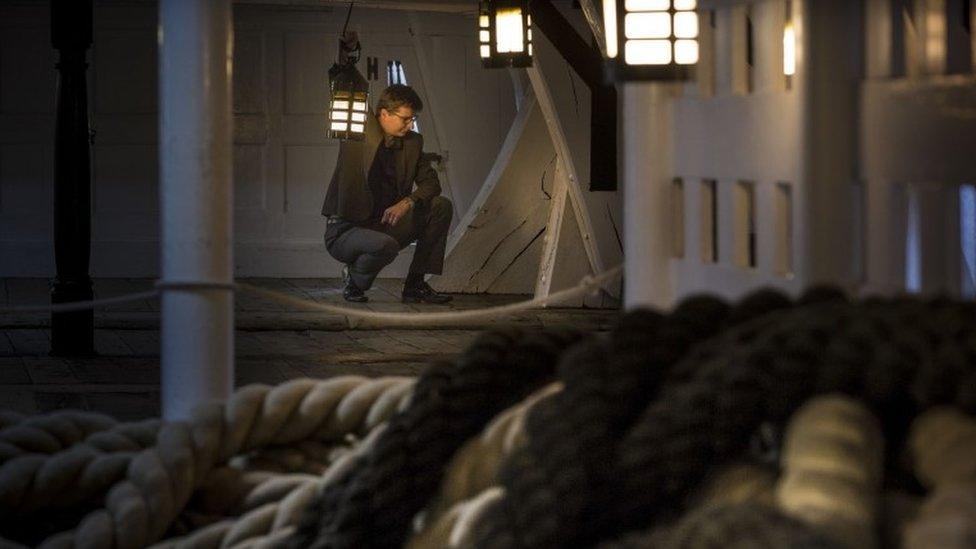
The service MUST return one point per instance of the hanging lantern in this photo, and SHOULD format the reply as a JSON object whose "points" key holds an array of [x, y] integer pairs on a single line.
{"points": [[505, 33], [650, 39], [349, 98]]}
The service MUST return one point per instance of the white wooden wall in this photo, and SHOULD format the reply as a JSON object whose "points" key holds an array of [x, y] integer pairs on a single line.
{"points": [[732, 126], [917, 132], [282, 159]]}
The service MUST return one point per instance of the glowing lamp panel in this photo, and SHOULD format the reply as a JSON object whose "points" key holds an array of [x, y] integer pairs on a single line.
{"points": [[656, 32], [504, 35], [789, 50], [347, 114]]}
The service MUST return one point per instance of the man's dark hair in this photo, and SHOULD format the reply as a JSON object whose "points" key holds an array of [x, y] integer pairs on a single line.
{"points": [[397, 96]]}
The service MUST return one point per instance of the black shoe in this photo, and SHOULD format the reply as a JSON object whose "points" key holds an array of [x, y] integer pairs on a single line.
{"points": [[415, 293], [351, 292]]}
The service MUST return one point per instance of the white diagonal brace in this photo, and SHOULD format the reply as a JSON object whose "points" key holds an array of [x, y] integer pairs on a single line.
{"points": [[558, 135]]}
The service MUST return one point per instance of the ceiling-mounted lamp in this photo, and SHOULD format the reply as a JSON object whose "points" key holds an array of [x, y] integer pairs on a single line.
{"points": [[348, 90], [650, 39], [505, 33]]}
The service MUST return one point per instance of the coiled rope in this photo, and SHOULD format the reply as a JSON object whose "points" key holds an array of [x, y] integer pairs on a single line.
{"points": [[685, 418], [158, 481]]}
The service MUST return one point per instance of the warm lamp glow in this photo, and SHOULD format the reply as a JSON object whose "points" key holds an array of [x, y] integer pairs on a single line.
{"points": [[647, 5], [610, 27], [658, 38], [647, 25], [789, 50], [686, 24], [686, 52], [508, 30], [648, 52], [505, 33]]}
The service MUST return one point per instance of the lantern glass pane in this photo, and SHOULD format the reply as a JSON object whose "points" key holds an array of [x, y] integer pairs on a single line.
{"points": [[340, 105], [358, 128], [484, 36], [340, 115], [647, 52], [483, 21], [610, 26], [339, 126], [508, 30], [485, 51], [789, 50], [686, 25], [686, 52], [359, 106], [647, 5], [682, 5], [358, 117], [647, 25]]}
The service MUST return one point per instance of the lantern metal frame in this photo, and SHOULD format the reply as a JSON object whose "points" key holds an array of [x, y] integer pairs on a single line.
{"points": [[487, 35], [617, 68], [348, 104]]}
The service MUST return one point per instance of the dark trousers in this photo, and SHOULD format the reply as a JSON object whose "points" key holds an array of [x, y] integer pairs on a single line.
{"points": [[369, 247]]}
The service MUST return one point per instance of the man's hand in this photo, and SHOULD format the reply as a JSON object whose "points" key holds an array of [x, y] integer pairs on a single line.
{"points": [[394, 213]]}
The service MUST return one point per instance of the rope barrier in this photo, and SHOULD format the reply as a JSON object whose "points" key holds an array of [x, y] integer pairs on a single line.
{"points": [[587, 284]]}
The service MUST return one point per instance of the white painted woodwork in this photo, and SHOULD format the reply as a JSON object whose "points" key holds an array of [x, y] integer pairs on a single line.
{"points": [[197, 330], [497, 246], [565, 101], [554, 229], [864, 111], [646, 188], [281, 162]]}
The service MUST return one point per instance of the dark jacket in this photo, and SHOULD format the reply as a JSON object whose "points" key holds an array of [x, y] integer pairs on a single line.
{"points": [[348, 195]]}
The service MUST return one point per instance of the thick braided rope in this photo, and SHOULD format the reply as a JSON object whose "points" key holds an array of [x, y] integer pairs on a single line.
{"points": [[833, 462], [471, 473], [559, 477], [877, 352], [87, 463], [47, 434], [881, 351], [452, 402], [159, 480], [943, 443], [943, 447], [746, 525], [274, 507]]}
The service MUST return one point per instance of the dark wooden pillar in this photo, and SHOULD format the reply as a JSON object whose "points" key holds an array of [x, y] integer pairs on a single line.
{"points": [[72, 334]]}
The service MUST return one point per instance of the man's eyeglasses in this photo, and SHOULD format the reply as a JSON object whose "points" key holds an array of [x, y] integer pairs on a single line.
{"points": [[406, 119]]}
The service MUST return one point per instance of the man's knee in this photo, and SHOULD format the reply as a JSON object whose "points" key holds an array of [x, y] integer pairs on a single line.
{"points": [[387, 246], [441, 208]]}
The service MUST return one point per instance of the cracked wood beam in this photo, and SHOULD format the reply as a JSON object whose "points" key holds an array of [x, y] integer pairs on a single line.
{"points": [[557, 209], [558, 135], [496, 247]]}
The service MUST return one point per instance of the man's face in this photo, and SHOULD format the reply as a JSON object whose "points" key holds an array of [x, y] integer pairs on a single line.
{"points": [[397, 122]]}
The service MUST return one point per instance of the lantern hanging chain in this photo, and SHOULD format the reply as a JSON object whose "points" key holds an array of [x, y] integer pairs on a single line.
{"points": [[348, 16], [346, 54]]}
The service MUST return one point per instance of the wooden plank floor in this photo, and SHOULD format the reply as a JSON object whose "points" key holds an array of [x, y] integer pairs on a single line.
{"points": [[273, 342]]}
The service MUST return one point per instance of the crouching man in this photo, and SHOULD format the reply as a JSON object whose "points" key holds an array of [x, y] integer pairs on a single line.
{"points": [[384, 194]]}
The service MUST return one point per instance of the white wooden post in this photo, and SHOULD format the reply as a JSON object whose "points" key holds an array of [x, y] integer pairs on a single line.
{"points": [[647, 158], [196, 197]]}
